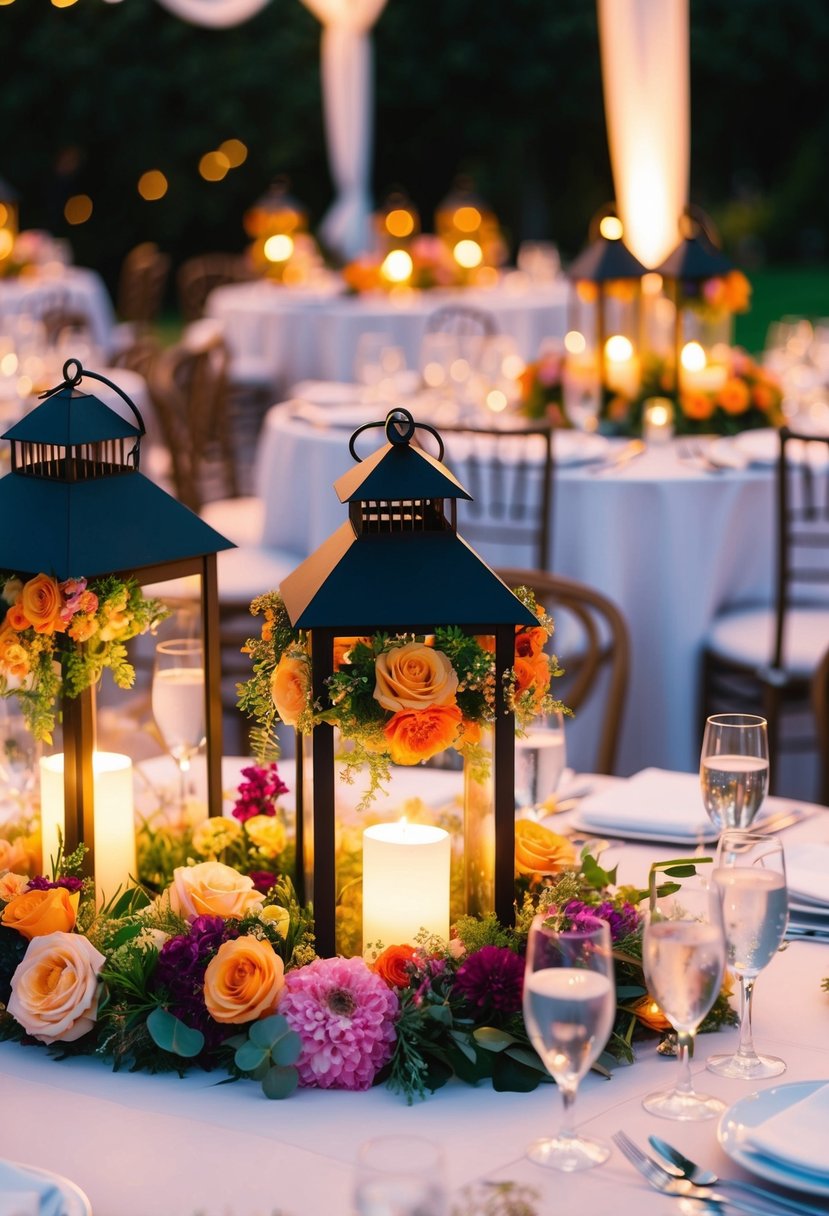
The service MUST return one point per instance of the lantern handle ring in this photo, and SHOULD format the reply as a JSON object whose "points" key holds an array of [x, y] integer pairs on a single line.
{"points": [[400, 426], [72, 378]]}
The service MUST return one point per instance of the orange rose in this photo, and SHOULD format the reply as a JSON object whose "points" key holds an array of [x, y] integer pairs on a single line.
{"points": [[393, 965], [212, 889], [343, 648], [737, 291], [16, 618], [486, 642], [291, 688], [734, 396], [529, 642], [696, 405], [243, 981], [37, 913], [55, 988], [649, 1014], [41, 603], [13, 657], [532, 675], [415, 735], [540, 851], [414, 676]]}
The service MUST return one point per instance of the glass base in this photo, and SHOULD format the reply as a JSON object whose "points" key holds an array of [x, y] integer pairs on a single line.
{"points": [[568, 1153], [687, 1107], [746, 1068]]}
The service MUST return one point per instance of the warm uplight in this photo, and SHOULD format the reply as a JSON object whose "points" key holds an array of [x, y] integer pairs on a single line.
{"points": [[496, 400], [235, 151], [152, 185], [63, 4], [6, 242], [78, 209], [397, 266], [692, 357], [467, 219], [213, 166], [651, 283], [400, 223], [575, 343], [5, 2], [611, 228], [468, 254], [618, 349], [4, 215], [278, 248]]}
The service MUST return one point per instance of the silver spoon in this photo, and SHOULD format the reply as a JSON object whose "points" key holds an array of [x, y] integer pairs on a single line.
{"points": [[684, 1167]]}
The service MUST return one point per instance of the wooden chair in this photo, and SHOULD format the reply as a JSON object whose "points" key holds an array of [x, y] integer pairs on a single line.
{"points": [[595, 656], [198, 276], [141, 283], [509, 475], [762, 658], [820, 705]]}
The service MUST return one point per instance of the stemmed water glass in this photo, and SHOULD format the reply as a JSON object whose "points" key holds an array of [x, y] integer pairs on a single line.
{"points": [[734, 768], [178, 701], [540, 759], [750, 875], [569, 1005], [683, 957]]}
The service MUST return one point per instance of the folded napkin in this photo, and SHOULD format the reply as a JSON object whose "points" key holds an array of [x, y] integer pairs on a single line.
{"points": [[807, 873], [25, 1192], [653, 801], [796, 1136]]}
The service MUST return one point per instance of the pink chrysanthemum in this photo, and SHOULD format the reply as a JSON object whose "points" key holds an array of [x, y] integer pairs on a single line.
{"points": [[344, 1014]]}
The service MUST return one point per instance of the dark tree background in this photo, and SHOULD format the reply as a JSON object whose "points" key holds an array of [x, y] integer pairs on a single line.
{"points": [[95, 94]]}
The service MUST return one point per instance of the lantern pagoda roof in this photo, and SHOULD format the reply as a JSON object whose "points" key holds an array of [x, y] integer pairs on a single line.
{"points": [[695, 259], [70, 417], [605, 260], [398, 471]]}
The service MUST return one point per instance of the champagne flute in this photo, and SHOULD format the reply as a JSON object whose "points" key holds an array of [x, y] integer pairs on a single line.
{"points": [[400, 1176], [569, 1006], [178, 701], [683, 957], [750, 875], [734, 768], [540, 760]]}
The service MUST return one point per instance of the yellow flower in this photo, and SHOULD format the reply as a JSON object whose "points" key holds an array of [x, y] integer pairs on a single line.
{"points": [[280, 918], [213, 836], [267, 834], [540, 851]]}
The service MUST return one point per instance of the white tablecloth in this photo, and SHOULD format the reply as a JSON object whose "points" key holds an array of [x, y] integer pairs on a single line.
{"points": [[669, 543], [138, 1144], [291, 334], [79, 289]]}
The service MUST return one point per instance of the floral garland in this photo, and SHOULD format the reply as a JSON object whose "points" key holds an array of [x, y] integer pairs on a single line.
{"points": [[82, 626], [217, 973], [432, 266], [398, 699]]}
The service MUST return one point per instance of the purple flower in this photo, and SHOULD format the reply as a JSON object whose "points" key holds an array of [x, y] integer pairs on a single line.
{"points": [[622, 921], [258, 794], [41, 883], [492, 979], [182, 962], [344, 1013], [208, 933]]}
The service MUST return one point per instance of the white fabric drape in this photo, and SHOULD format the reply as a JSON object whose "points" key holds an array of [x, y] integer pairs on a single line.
{"points": [[645, 74], [348, 93], [216, 13]]}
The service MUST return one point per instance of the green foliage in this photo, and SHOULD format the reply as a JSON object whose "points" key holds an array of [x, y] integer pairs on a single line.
{"points": [[267, 1053], [171, 1034]]}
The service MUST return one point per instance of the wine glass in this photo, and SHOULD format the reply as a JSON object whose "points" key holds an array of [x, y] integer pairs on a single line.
{"points": [[683, 957], [750, 875], [734, 768], [540, 760], [178, 701], [399, 1176], [19, 755], [569, 1006]]}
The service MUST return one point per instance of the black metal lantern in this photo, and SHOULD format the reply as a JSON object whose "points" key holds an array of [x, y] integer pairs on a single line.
{"points": [[85, 510], [398, 566]]}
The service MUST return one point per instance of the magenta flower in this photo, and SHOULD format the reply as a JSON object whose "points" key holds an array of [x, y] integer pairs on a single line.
{"points": [[492, 979], [257, 795], [344, 1014]]}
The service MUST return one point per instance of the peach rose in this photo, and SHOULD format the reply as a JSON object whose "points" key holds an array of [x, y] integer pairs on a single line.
{"points": [[55, 988], [40, 913], [267, 834], [243, 981], [532, 675], [734, 396], [415, 735], [42, 603], [414, 676], [540, 851], [212, 889], [12, 884], [13, 855], [291, 688], [393, 965]]}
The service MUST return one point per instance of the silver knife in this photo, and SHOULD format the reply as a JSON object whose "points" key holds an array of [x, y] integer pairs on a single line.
{"points": [[629, 452]]}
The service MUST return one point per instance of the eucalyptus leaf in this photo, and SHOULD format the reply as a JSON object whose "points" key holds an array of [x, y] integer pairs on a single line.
{"points": [[492, 1039], [461, 1040], [266, 1032], [171, 1034], [280, 1082], [286, 1050], [525, 1055], [512, 1075], [250, 1055]]}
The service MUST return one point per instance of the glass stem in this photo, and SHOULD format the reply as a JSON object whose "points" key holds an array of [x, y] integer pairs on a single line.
{"points": [[183, 770], [568, 1097], [745, 1050], [684, 1039]]}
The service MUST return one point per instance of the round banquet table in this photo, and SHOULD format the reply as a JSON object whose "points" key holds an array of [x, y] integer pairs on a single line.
{"points": [[670, 544], [292, 334], [78, 289], [178, 1147]]}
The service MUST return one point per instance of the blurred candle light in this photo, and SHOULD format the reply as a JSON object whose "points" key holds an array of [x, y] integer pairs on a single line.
{"points": [[397, 266], [279, 247], [697, 373], [405, 883], [622, 365], [658, 420], [468, 254]]}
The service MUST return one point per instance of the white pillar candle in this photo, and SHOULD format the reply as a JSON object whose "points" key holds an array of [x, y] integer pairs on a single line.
{"points": [[114, 841], [658, 420], [405, 883]]}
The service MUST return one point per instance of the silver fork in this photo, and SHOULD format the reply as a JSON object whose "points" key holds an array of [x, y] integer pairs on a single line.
{"points": [[681, 1188]]}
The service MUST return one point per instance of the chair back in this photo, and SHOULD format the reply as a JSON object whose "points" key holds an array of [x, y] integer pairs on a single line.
{"points": [[198, 276], [802, 528], [596, 656], [141, 284], [509, 475], [820, 705], [462, 321]]}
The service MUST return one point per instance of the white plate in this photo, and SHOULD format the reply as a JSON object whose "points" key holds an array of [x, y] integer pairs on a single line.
{"points": [[576, 447], [709, 836], [753, 1110], [763, 447], [76, 1202]]}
